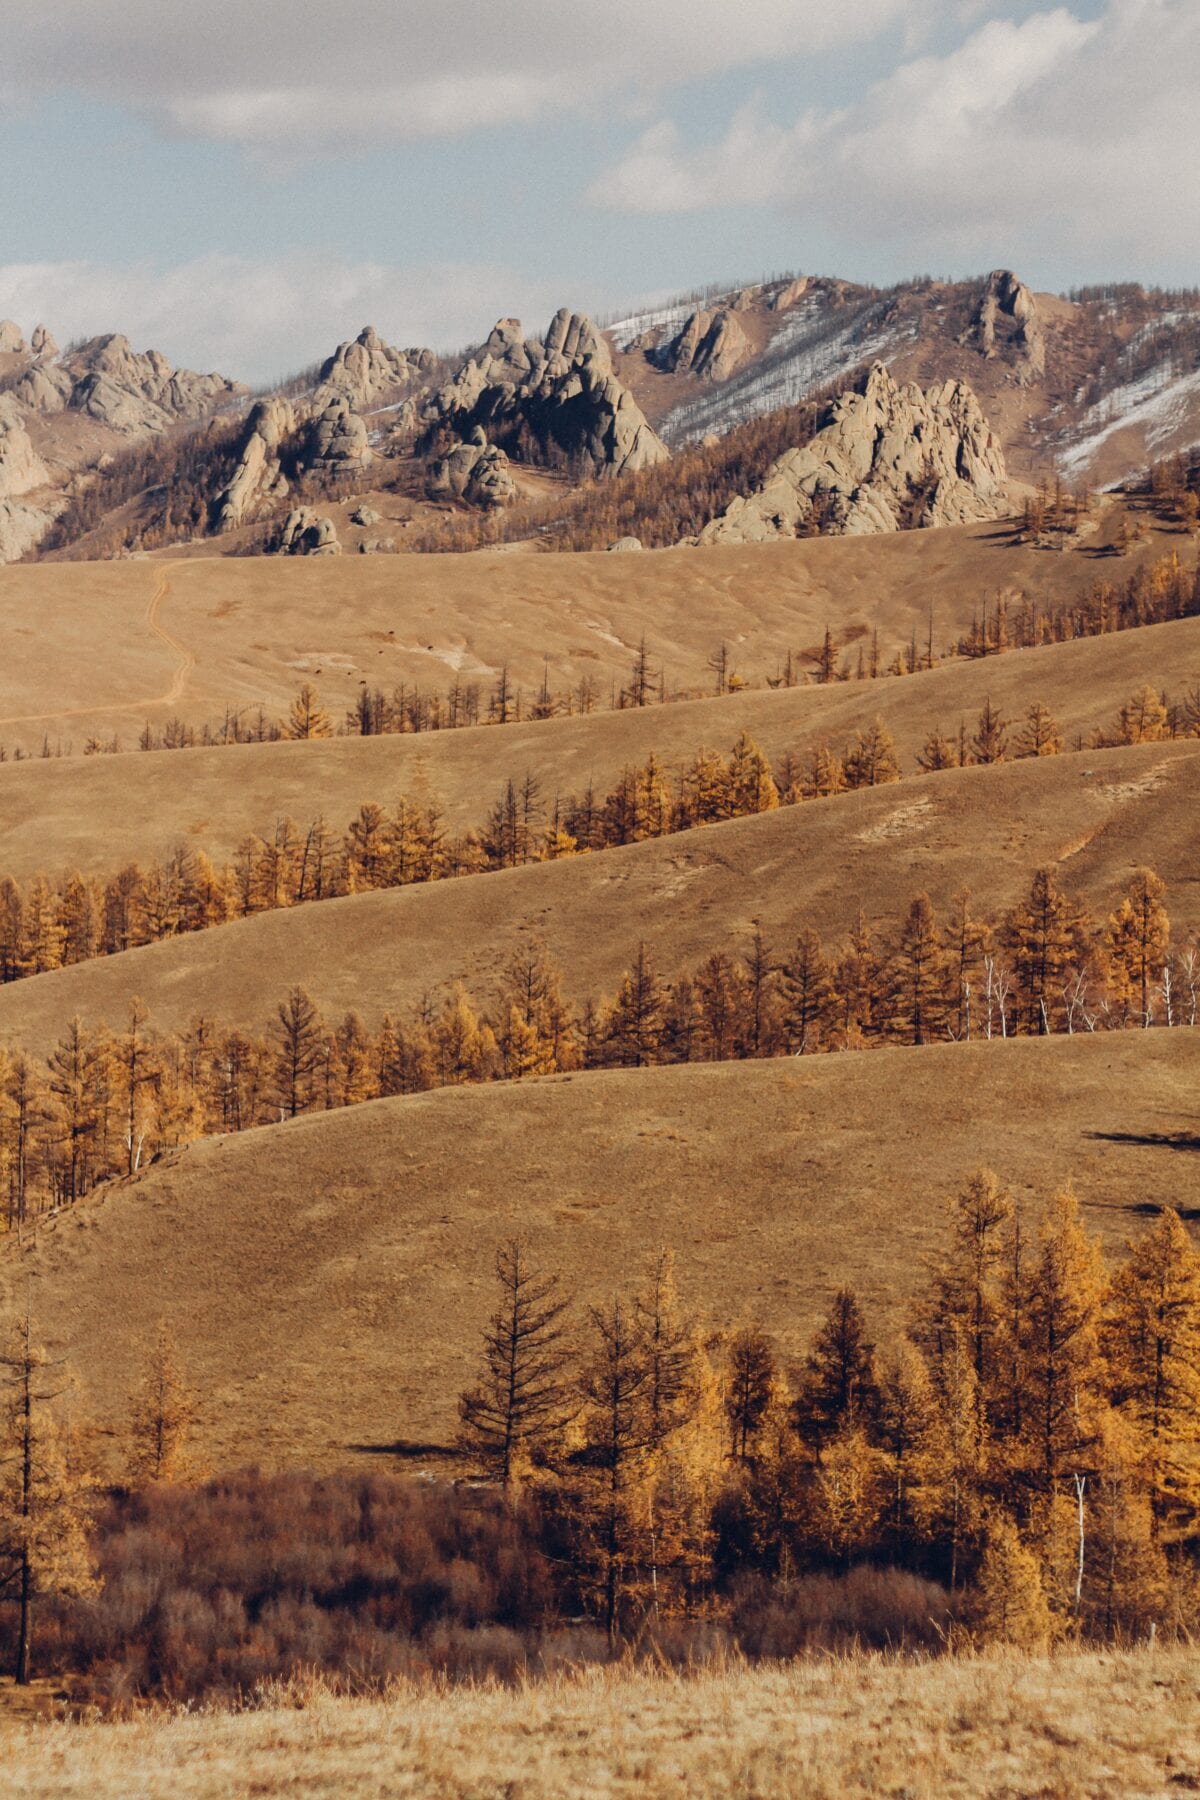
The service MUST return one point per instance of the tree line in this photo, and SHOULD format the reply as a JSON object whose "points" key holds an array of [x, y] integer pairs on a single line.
{"points": [[54, 924], [1033, 1434], [105, 1102], [1027, 1443]]}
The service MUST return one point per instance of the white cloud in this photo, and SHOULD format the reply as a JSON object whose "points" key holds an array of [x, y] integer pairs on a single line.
{"points": [[259, 321], [1061, 135], [304, 74]]}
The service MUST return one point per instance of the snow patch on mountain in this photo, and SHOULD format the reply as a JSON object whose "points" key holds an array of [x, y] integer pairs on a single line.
{"points": [[1157, 402]]}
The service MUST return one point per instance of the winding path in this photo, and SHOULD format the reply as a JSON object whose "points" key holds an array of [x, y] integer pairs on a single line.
{"points": [[183, 669]]}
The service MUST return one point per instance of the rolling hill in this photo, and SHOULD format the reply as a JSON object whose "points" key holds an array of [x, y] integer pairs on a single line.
{"points": [[327, 1280], [99, 649], [1094, 816]]}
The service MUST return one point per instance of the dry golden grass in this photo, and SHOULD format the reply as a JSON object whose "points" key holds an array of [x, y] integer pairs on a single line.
{"points": [[327, 1280], [82, 653], [1093, 816], [1073, 1727], [95, 813]]}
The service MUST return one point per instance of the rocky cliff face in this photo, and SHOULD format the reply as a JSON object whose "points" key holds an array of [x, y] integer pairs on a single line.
{"points": [[1007, 309], [365, 371], [886, 456], [711, 344], [561, 390], [107, 380]]}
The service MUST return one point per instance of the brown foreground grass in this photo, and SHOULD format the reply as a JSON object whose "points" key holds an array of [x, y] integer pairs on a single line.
{"points": [[327, 1280], [1074, 1727], [150, 640]]}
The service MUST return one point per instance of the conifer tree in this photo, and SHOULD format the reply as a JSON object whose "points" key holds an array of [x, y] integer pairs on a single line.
{"points": [[1151, 1338], [1143, 719], [751, 786], [307, 718], [1063, 1368], [990, 742], [634, 1026], [521, 1401], [298, 1034], [614, 1385], [1012, 1605], [1043, 935], [1041, 734], [908, 1432], [44, 1501], [163, 1411], [838, 1390], [807, 994], [937, 752], [919, 975], [1139, 935], [750, 1384], [871, 760]]}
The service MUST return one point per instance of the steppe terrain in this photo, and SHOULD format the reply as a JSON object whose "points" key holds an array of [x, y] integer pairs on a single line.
{"points": [[843, 1729], [102, 648], [326, 1279]]}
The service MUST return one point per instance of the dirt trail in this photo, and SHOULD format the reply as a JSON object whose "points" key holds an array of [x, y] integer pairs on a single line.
{"points": [[174, 693]]}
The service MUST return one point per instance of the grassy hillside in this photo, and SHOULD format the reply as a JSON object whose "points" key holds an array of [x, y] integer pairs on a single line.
{"points": [[327, 1279], [102, 647], [1095, 816], [1085, 1725], [96, 813]]}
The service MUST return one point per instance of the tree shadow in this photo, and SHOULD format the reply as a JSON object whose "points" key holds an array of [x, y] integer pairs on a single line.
{"points": [[1151, 1140], [405, 1450]]}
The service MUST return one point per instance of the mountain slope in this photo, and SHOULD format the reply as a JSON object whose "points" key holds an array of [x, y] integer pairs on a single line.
{"points": [[327, 1280], [1096, 817]]}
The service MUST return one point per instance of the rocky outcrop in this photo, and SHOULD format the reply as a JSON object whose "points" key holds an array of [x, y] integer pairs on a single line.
{"points": [[258, 481], [338, 442], [627, 544], [475, 472], [562, 392], [366, 371], [128, 391], [21, 468], [306, 533], [22, 527], [785, 297], [711, 344], [11, 341], [42, 344], [1008, 313], [885, 457]]}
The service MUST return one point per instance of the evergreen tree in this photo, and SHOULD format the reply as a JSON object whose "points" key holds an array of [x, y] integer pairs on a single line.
{"points": [[520, 1404], [1139, 935], [990, 742], [162, 1415], [1012, 1605], [298, 1033], [1041, 734], [307, 718], [634, 1026], [750, 1384], [838, 1390]]}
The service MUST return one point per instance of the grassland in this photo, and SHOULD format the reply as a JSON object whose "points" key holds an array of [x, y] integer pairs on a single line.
{"points": [[1093, 816], [1085, 1727], [327, 1279], [96, 813], [102, 647]]}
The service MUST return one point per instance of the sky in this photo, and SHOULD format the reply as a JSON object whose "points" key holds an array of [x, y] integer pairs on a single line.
{"points": [[244, 183]]}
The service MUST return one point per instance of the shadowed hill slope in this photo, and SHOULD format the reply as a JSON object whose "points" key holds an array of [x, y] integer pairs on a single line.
{"points": [[327, 1280], [1095, 816], [96, 813]]}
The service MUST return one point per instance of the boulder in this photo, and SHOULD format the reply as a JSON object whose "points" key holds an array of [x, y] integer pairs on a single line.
{"points": [[306, 533], [626, 543], [42, 344], [475, 472], [365, 515], [45, 390], [22, 526], [11, 341], [338, 441], [885, 457]]}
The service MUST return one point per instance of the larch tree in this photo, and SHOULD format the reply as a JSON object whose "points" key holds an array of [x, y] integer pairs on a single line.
{"points": [[750, 1379], [44, 1500], [919, 975], [1151, 1338], [298, 1035], [162, 1413], [990, 742], [807, 994], [871, 760], [614, 1386], [521, 1401], [1040, 733], [1063, 1368], [751, 785], [1011, 1607], [838, 1389], [1043, 936], [634, 1025], [1143, 719], [307, 718], [1139, 937]]}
